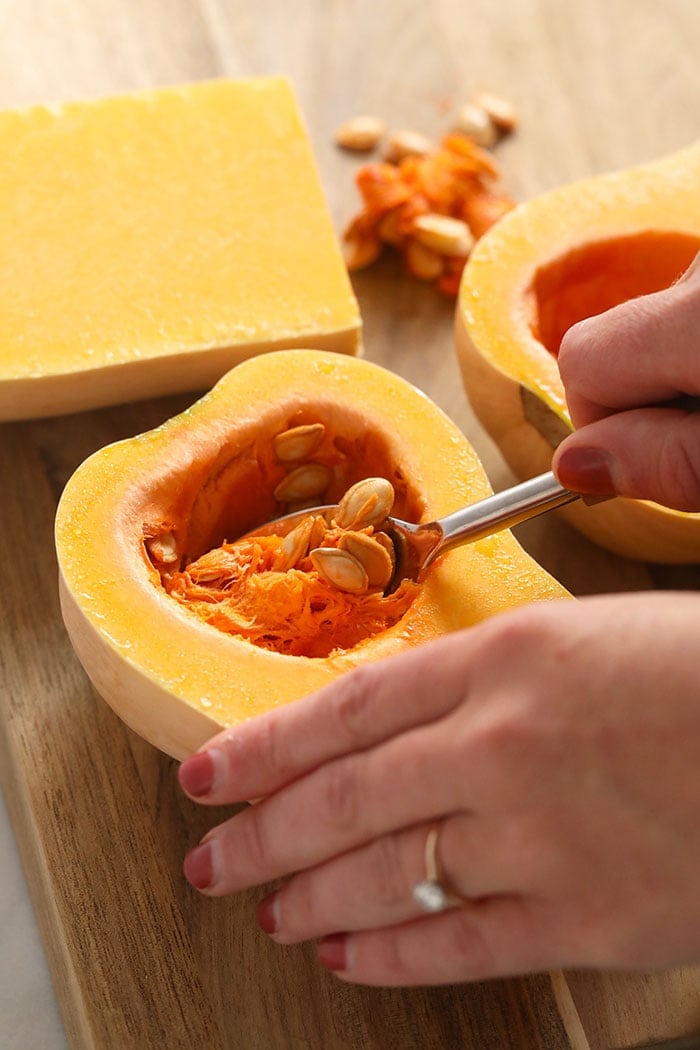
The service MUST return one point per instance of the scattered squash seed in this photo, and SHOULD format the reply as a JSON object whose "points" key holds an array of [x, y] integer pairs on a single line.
{"points": [[372, 555], [340, 569], [361, 133], [319, 528], [163, 548], [295, 545], [361, 251], [444, 234], [423, 262], [501, 111], [406, 143], [368, 502], [304, 482], [298, 443], [474, 121]]}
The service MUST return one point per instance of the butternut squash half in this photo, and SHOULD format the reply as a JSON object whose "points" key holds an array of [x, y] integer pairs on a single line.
{"points": [[566, 255], [138, 514]]}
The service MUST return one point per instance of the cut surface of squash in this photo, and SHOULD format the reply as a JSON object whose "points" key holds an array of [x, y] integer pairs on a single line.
{"points": [[138, 513], [571, 253], [150, 241]]}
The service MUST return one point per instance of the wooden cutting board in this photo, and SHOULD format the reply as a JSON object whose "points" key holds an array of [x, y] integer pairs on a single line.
{"points": [[138, 959]]}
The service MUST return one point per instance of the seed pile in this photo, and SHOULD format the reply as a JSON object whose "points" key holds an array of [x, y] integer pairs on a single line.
{"points": [[316, 590], [428, 203]]}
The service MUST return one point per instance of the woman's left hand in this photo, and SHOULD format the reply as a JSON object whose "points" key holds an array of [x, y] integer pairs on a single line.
{"points": [[554, 747]]}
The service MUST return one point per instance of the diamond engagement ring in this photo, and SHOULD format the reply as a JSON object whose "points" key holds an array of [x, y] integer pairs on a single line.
{"points": [[431, 893]]}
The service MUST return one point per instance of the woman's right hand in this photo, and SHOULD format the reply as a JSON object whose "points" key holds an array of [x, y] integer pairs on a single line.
{"points": [[622, 372]]}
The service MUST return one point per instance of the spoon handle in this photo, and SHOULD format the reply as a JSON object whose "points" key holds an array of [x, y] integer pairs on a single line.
{"points": [[503, 510]]}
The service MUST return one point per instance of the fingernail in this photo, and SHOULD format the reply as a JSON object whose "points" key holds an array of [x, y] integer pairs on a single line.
{"points": [[267, 913], [196, 774], [333, 951], [585, 470], [199, 866]]}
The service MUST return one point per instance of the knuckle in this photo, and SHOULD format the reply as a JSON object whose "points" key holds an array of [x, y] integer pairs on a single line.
{"points": [[340, 803], [517, 662], [576, 345], [568, 348], [254, 845], [299, 910], [532, 836], [267, 743], [353, 704], [394, 966], [467, 947], [498, 745], [524, 634], [388, 879], [681, 466]]}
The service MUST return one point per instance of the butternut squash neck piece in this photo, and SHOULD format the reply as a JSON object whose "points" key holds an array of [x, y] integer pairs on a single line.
{"points": [[138, 512], [150, 241], [568, 254]]}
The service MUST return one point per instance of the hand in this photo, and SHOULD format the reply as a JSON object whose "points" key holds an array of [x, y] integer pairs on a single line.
{"points": [[645, 352], [556, 747]]}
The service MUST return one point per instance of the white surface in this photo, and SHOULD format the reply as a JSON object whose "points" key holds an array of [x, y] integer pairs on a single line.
{"points": [[29, 1017]]}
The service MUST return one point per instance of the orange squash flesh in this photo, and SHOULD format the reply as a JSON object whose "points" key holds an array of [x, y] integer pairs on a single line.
{"points": [[149, 241], [569, 254], [246, 589], [208, 475]]}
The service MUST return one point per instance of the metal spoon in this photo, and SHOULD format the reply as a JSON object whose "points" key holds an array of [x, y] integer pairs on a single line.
{"points": [[417, 546]]}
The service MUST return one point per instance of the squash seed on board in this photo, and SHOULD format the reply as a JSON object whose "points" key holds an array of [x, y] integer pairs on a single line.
{"points": [[407, 143], [340, 569], [501, 110], [298, 443], [304, 482], [372, 555], [443, 234], [474, 121], [365, 503], [423, 262], [361, 133]]}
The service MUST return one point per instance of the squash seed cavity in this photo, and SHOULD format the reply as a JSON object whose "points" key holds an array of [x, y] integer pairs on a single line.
{"points": [[317, 590]]}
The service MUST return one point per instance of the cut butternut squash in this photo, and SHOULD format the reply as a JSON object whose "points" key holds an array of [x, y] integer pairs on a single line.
{"points": [[150, 241], [569, 254], [147, 517]]}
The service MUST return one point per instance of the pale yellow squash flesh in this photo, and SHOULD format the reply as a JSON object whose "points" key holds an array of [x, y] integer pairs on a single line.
{"points": [[150, 241], [565, 255], [176, 680]]}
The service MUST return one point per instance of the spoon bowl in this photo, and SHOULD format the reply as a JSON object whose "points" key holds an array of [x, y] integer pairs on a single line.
{"points": [[417, 546]]}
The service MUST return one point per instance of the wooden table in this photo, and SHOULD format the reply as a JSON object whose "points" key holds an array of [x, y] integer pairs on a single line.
{"points": [[138, 959]]}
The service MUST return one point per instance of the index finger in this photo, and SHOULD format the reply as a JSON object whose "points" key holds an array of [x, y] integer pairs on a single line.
{"points": [[361, 709]]}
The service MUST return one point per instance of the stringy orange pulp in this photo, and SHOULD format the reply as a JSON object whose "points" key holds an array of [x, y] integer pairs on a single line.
{"points": [[240, 589], [457, 180]]}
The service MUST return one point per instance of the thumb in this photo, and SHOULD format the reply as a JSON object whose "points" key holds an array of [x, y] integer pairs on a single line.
{"points": [[644, 453]]}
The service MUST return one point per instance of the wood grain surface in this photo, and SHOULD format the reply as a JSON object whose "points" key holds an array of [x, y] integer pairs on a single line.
{"points": [[139, 960]]}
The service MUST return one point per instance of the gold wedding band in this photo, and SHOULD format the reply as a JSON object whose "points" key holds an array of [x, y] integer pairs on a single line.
{"points": [[432, 893]]}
